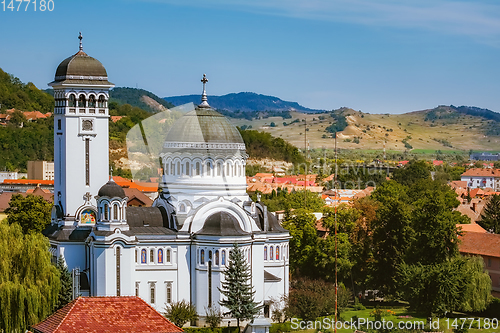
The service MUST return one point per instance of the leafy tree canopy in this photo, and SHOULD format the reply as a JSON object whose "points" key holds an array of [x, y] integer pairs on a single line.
{"points": [[412, 172], [32, 212], [29, 282]]}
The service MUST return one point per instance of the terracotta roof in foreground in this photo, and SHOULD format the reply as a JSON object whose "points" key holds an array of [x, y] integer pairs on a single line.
{"points": [[106, 314], [479, 243]]}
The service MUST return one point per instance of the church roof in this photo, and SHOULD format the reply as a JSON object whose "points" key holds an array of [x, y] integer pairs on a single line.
{"points": [[106, 314], [59, 233], [111, 190], [138, 217], [203, 125], [221, 224], [80, 68]]}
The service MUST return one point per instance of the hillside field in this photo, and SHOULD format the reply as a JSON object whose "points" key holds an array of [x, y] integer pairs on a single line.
{"points": [[460, 134]]}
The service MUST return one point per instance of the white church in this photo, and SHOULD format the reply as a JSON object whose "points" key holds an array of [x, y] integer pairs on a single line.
{"points": [[177, 249]]}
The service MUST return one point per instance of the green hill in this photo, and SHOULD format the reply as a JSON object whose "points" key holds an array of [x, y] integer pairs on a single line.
{"points": [[21, 96], [139, 98]]}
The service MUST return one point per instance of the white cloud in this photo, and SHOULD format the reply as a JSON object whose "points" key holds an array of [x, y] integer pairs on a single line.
{"points": [[479, 19]]}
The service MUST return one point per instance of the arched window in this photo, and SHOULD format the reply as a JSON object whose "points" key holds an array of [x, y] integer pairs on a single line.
{"points": [[182, 208], [265, 252], [198, 168], [115, 212], [217, 257], [277, 253], [209, 255], [168, 256], [172, 168], [143, 256], [91, 101], [223, 259], [202, 257], [81, 101], [271, 253], [209, 171], [106, 212], [219, 169], [151, 256], [166, 168], [237, 170], [72, 100], [178, 169], [188, 169], [228, 170], [136, 255], [160, 256], [101, 102]]}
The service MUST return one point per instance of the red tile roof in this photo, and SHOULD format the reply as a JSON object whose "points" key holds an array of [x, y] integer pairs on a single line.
{"points": [[480, 172], [474, 227], [106, 314], [479, 243], [6, 196], [29, 181]]}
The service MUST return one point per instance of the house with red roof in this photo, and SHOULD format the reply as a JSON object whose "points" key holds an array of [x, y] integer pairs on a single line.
{"points": [[482, 178], [487, 246], [106, 314]]}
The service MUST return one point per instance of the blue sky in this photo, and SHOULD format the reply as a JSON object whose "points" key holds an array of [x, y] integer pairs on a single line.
{"points": [[378, 56]]}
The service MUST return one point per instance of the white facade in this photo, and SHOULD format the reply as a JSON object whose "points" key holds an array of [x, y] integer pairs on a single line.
{"points": [[179, 248], [482, 178]]}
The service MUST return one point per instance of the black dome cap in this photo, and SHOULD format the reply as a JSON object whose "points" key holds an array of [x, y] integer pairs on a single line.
{"points": [[111, 190]]}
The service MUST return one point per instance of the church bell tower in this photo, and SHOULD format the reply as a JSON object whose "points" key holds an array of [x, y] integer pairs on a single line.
{"points": [[81, 137]]}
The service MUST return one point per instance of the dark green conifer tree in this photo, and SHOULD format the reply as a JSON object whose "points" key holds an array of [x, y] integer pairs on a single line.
{"points": [[490, 218], [66, 291], [237, 288]]}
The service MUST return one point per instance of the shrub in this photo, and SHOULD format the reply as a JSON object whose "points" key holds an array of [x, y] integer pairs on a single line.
{"points": [[213, 316], [180, 312]]}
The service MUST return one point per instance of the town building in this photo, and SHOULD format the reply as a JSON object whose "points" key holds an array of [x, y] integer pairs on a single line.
{"points": [[41, 170], [179, 248], [478, 242], [482, 178]]}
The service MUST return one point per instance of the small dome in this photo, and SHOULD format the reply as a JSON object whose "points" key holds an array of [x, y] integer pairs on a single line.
{"points": [[111, 190], [221, 224], [204, 125], [81, 68]]}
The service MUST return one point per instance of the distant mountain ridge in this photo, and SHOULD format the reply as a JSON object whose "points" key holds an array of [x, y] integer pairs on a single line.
{"points": [[243, 102]]}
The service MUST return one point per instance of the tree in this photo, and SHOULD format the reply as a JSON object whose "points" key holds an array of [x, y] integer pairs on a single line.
{"points": [[17, 118], [32, 212], [392, 234], [29, 282], [237, 289], [303, 243], [490, 218], [66, 291], [412, 172], [459, 284], [180, 312]]}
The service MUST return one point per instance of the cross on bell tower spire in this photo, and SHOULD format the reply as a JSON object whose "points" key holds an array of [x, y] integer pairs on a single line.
{"points": [[80, 37], [204, 103]]}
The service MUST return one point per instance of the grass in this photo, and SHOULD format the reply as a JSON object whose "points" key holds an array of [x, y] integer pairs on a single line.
{"points": [[463, 133], [396, 314], [2, 216]]}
